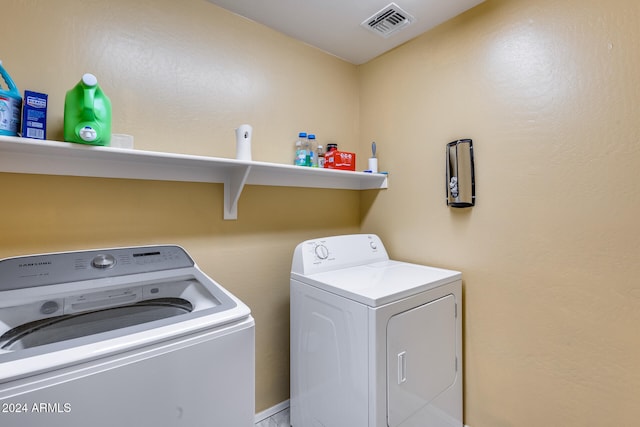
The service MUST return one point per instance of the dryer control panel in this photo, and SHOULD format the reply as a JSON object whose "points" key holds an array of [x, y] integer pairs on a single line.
{"points": [[336, 252]]}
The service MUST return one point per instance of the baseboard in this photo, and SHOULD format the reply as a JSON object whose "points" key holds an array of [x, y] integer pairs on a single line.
{"points": [[260, 416], [269, 412]]}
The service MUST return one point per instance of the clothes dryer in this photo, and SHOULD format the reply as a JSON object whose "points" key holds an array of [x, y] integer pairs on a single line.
{"points": [[122, 337], [374, 342]]}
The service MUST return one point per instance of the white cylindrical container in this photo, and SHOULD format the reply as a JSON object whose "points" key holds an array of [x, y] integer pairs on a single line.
{"points": [[243, 142], [373, 164]]}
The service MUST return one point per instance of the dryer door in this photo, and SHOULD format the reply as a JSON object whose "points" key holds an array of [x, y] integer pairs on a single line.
{"points": [[421, 362]]}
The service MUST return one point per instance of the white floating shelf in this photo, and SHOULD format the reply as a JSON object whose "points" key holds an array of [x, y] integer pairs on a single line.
{"points": [[23, 155]]}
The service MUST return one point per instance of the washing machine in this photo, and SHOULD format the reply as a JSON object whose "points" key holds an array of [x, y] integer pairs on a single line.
{"points": [[374, 342], [135, 336]]}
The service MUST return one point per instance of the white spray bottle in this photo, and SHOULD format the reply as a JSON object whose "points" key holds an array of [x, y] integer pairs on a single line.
{"points": [[243, 142]]}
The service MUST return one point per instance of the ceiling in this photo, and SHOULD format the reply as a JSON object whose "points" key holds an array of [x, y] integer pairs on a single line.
{"points": [[334, 25]]}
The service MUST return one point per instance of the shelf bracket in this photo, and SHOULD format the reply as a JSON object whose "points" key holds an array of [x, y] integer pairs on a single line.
{"points": [[233, 185]]}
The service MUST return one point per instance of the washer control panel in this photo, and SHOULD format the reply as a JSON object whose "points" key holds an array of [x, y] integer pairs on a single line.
{"points": [[330, 253], [48, 269]]}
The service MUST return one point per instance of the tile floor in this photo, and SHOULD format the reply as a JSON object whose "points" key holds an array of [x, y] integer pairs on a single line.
{"points": [[281, 419]]}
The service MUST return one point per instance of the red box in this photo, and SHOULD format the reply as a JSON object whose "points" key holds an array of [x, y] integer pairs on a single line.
{"points": [[340, 160]]}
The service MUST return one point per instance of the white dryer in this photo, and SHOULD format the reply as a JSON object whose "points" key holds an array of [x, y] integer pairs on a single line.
{"points": [[374, 342], [122, 337]]}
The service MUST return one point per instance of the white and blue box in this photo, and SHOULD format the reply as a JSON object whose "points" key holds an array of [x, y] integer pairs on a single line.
{"points": [[34, 115]]}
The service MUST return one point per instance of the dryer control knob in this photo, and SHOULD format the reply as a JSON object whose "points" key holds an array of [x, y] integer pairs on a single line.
{"points": [[322, 252], [373, 245], [103, 261]]}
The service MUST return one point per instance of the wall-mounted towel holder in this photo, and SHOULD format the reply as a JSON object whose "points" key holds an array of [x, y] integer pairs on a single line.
{"points": [[461, 186]]}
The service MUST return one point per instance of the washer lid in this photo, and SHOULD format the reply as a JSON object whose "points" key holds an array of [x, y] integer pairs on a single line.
{"points": [[70, 326], [380, 283]]}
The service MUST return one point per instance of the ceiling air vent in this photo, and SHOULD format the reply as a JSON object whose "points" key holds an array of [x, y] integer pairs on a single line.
{"points": [[388, 20]]}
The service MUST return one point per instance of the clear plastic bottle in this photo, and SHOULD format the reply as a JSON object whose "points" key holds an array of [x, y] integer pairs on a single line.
{"points": [[320, 156], [301, 150], [311, 151]]}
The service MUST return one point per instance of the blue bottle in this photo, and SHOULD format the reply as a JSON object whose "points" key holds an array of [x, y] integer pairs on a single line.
{"points": [[10, 105]]}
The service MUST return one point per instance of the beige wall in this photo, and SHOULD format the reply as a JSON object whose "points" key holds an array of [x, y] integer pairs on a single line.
{"points": [[181, 76], [550, 255], [548, 91]]}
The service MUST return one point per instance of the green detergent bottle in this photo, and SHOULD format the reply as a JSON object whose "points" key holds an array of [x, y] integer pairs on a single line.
{"points": [[10, 105], [87, 113]]}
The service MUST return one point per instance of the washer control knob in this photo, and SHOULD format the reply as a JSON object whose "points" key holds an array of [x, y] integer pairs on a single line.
{"points": [[373, 245], [49, 307], [103, 262], [322, 252]]}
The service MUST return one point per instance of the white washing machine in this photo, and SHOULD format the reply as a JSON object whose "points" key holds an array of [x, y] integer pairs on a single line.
{"points": [[122, 337], [374, 342]]}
